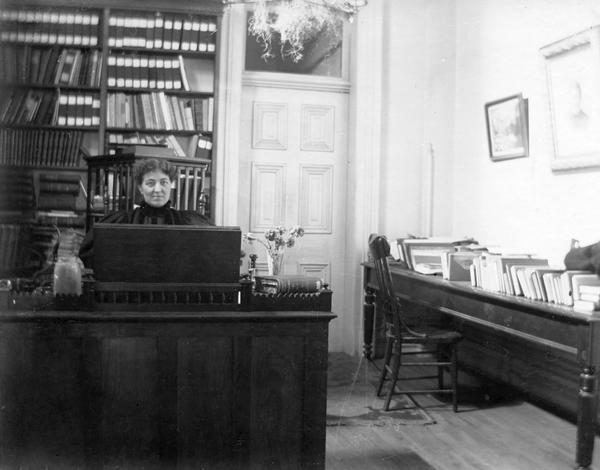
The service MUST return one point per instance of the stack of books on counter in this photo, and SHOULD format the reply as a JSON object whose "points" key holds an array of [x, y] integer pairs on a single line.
{"points": [[586, 292], [428, 255]]}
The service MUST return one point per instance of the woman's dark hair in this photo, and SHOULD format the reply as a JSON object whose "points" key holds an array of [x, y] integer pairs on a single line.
{"points": [[152, 164]]}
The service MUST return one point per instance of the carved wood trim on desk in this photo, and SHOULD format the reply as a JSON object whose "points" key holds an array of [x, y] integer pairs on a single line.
{"points": [[550, 352]]}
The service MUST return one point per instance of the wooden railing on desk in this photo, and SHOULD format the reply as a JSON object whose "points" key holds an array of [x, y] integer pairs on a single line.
{"points": [[548, 351]]}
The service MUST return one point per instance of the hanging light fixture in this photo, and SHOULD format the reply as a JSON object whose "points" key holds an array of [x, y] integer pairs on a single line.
{"points": [[297, 21]]}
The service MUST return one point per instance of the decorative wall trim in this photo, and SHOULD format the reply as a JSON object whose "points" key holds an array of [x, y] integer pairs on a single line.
{"points": [[225, 170], [318, 128], [269, 126], [267, 205], [316, 198], [296, 82]]}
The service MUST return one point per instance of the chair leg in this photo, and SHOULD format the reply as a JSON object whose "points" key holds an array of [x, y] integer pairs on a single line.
{"points": [[440, 369], [386, 361], [454, 378], [396, 362]]}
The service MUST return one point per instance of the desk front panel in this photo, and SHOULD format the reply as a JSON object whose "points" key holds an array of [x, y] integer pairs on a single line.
{"points": [[169, 393]]}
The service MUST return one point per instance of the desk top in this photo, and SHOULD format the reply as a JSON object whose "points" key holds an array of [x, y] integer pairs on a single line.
{"points": [[166, 317], [465, 289]]}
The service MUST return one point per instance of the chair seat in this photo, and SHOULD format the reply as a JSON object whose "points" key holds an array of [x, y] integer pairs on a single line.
{"points": [[433, 336]]}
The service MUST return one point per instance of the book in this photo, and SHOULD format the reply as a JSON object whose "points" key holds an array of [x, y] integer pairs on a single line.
{"points": [[456, 265], [59, 187], [145, 150], [589, 289], [287, 284], [566, 280], [550, 282], [537, 277], [57, 201], [518, 264], [586, 305], [60, 178], [583, 280]]}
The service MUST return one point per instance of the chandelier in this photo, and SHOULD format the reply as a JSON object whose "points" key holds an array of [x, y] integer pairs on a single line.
{"points": [[296, 22]]}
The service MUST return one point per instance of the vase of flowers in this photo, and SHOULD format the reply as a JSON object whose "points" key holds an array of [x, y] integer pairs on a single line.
{"points": [[277, 239]]}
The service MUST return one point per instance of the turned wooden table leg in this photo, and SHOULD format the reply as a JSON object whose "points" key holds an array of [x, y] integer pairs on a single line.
{"points": [[586, 417], [368, 322]]}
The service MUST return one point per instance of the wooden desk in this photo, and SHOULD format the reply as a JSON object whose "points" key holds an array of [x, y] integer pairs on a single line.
{"points": [[547, 351], [218, 390]]}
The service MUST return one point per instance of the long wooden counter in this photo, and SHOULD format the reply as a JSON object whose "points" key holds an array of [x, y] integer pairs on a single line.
{"points": [[550, 352], [218, 390]]}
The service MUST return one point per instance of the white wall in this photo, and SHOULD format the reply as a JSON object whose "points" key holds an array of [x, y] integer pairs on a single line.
{"points": [[531, 208], [445, 60], [417, 124]]}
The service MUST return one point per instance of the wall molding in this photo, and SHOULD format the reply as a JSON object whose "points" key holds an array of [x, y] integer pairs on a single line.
{"points": [[295, 81]]}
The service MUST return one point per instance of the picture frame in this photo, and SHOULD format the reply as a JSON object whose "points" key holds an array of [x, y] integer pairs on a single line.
{"points": [[507, 127], [572, 75]]}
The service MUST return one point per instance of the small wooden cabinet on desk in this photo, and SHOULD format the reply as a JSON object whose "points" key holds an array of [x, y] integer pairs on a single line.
{"points": [[550, 352], [163, 390]]}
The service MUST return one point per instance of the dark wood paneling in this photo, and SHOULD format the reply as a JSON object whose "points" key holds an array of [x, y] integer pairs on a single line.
{"points": [[131, 405], [275, 418], [175, 390], [41, 409], [205, 388]]}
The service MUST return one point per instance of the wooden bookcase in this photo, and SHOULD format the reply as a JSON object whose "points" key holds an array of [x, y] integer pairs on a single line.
{"points": [[96, 77]]}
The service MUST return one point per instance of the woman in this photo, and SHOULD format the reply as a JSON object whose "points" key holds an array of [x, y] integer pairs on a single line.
{"points": [[154, 180]]}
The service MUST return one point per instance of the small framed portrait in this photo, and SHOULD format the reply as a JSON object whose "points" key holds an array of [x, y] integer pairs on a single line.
{"points": [[507, 127], [572, 75]]}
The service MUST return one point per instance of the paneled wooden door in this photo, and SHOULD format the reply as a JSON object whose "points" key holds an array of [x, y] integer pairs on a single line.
{"points": [[293, 158]]}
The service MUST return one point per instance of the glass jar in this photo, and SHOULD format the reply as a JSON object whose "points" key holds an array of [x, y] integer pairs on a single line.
{"points": [[67, 276]]}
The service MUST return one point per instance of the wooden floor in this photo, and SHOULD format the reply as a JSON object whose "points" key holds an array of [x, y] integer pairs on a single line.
{"points": [[488, 433]]}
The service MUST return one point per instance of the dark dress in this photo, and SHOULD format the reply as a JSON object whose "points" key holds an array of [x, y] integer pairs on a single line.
{"points": [[144, 214]]}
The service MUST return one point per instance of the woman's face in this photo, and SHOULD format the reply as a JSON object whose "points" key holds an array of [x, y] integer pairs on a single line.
{"points": [[156, 188]]}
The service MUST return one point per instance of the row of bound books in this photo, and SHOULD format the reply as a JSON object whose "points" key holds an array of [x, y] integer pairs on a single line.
{"points": [[169, 32], [48, 148], [50, 65], [14, 246], [78, 109], [17, 192], [198, 146], [50, 107], [533, 278], [58, 192], [133, 71], [49, 27], [160, 111]]}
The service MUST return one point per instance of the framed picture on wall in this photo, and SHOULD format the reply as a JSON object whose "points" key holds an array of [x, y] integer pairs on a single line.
{"points": [[572, 75], [507, 127]]}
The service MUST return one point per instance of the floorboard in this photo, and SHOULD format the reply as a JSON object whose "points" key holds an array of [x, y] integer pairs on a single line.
{"points": [[488, 433]]}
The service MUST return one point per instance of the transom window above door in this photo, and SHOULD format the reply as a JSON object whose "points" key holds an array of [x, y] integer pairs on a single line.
{"points": [[322, 55]]}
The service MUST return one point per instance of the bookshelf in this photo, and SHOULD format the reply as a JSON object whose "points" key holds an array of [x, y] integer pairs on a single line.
{"points": [[81, 80]]}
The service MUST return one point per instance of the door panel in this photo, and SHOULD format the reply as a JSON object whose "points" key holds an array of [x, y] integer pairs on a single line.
{"points": [[293, 172]]}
